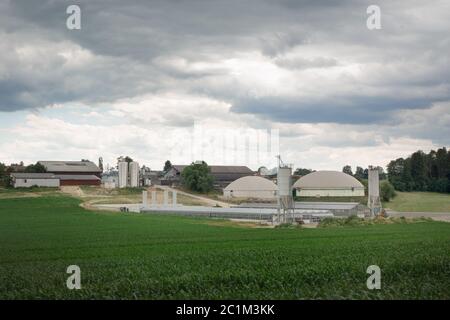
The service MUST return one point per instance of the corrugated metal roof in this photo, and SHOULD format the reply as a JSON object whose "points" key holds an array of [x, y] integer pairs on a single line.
{"points": [[328, 179], [26, 175], [70, 166], [76, 177], [31, 175], [221, 169]]}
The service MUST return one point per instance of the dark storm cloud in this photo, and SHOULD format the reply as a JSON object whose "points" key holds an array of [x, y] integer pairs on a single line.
{"points": [[132, 46], [345, 110]]}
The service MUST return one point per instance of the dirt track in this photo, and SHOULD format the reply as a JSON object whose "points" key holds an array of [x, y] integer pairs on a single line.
{"points": [[74, 191], [207, 201]]}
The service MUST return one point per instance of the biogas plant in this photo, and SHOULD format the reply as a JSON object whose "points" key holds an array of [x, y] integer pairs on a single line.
{"points": [[264, 200]]}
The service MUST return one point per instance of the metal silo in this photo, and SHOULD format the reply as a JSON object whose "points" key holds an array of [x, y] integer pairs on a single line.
{"points": [[123, 174], [284, 181], [373, 192], [134, 174], [285, 199]]}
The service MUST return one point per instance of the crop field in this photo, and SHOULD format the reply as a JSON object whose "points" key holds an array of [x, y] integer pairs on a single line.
{"points": [[134, 256]]}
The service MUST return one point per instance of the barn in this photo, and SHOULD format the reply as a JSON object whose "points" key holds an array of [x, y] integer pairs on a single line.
{"points": [[27, 180], [78, 180], [223, 175], [251, 187], [328, 184], [83, 167]]}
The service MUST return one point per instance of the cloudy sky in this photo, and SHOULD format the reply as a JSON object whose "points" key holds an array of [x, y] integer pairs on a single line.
{"points": [[141, 76]]}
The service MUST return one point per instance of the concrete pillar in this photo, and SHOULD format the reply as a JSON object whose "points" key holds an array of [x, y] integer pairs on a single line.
{"points": [[144, 198], [153, 198], [166, 198], [174, 198]]}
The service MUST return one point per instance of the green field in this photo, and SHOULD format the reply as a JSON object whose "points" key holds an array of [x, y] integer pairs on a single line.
{"points": [[141, 256], [419, 202]]}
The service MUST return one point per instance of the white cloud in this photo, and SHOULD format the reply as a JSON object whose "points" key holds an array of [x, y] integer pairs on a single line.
{"points": [[133, 81]]}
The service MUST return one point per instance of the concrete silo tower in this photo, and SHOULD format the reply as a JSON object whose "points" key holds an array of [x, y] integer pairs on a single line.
{"points": [[134, 174], [285, 198], [123, 174], [373, 197]]}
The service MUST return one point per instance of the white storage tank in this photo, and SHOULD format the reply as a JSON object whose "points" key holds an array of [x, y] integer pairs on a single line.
{"points": [[251, 187], [374, 182], [123, 174], [134, 174], [284, 181]]}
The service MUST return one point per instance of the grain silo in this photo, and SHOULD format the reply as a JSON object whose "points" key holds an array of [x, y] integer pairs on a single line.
{"points": [[285, 198], [373, 192], [123, 174], [134, 174], [284, 181]]}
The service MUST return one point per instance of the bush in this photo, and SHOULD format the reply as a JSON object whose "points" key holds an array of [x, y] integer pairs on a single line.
{"points": [[197, 177], [387, 191]]}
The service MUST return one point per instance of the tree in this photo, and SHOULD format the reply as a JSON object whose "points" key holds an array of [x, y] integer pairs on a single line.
{"points": [[442, 163], [302, 171], [100, 163], [126, 159], [381, 173], [3, 175], [387, 191], [407, 178], [395, 170], [359, 173], [419, 171], [197, 177], [35, 168], [167, 166], [347, 169]]}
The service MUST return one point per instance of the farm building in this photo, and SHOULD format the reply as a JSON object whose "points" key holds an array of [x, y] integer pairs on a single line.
{"points": [[251, 187], [83, 167], [26, 180], [328, 184], [223, 175], [78, 180], [110, 179]]}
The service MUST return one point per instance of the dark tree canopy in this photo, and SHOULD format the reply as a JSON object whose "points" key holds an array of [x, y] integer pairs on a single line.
{"points": [[421, 171], [35, 168], [360, 173], [167, 166], [302, 171], [347, 169], [197, 177]]}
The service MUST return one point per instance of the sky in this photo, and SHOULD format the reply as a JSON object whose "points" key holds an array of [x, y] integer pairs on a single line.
{"points": [[229, 82]]}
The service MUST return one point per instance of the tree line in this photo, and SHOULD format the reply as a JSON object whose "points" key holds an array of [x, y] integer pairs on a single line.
{"points": [[5, 171], [421, 171]]}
